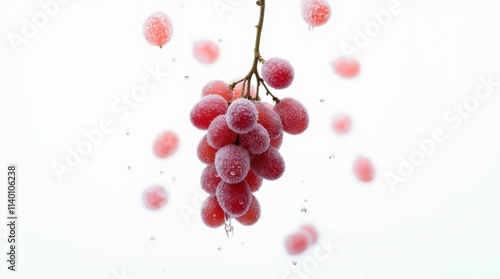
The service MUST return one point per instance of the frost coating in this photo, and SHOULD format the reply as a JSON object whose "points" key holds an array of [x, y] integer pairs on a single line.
{"points": [[158, 29], [232, 163], [269, 165], [277, 73], [241, 116], [316, 12], [256, 141], [218, 87], [293, 115], [219, 134], [206, 110], [166, 144], [235, 199], [269, 119]]}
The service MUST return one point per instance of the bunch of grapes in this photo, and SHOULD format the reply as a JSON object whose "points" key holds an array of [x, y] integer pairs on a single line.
{"points": [[241, 146]]}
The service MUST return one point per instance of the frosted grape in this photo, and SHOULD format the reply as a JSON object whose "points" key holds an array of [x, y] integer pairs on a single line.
{"points": [[219, 134], [277, 73], [256, 141], [296, 243], [311, 233], [293, 115], [166, 144], [205, 152], [232, 163], [254, 181], [209, 179], [235, 199], [316, 12], [158, 29], [241, 116], [155, 197], [269, 119], [364, 170], [206, 51], [346, 67], [206, 110], [212, 213], [218, 87], [277, 141], [252, 215], [341, 124], [269, 165]]}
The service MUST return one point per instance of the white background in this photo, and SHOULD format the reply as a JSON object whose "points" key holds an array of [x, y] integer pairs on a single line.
{"points": [[442, 222]]}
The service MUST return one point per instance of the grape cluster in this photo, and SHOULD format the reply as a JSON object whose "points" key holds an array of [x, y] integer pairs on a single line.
{"points": [[241, 144]]}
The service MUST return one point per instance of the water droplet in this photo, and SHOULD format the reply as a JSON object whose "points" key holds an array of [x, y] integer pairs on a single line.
{"points": [[303, 210], [127, 132], [294, 262], [232, 173], [173, 178], [305, 200], [186, 78], [311, 28], [228, 227], [129, 167], [162, 172], [165, 270], [173, 60], [151, 239], [219, 247], [220, 41], [302, 181], [331, 157], [243, 244], [322, 100]]}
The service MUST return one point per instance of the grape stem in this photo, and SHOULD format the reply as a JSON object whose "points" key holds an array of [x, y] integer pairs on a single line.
{"points": [[245, 91]]}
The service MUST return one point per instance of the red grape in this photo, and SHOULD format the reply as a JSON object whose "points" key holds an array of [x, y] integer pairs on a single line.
{"points": [[241, 116], [158, 29], [316, 12], [206, 110], [212, 213], [311, 233], [293, 115], [341, 124], [206, 51], [252, 215], [238, 88], [254, 181], [232, 163], [235, 199], [277, 141], [205, 152], [269, 119], [296, 243], [209, 179], [155, 197], [219, 134], [218, 87], [269, 165], [256, 141], [166, 144], [277, 73], [346, 67], [364, 170]]}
